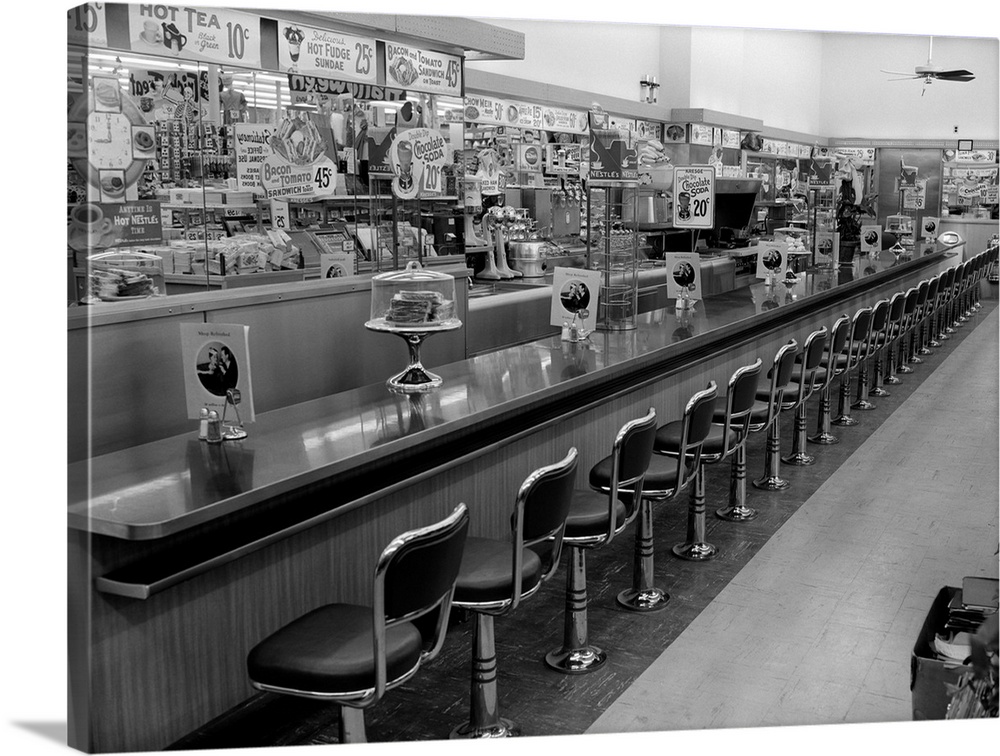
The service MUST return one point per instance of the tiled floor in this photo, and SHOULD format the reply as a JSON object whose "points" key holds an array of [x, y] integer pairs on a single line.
{"points": [[818, 626]]}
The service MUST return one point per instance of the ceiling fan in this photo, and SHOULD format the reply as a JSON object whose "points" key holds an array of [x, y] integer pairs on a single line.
{"points": [[930, 72]]}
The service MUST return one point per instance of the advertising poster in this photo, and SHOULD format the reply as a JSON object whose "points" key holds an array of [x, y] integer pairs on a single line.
{"points": [[683, 275], [871, 240], [929, 227], [771, 260], [95, 226], [326, 52], [422, 70], [87, 25], [253, 146], [482, 109], [216, 358], [914, 195], [694, 196], [302, 84], [574, 297], [564, 120], [563, 158], [418, 158], [337, 264], [299, 164], [826, 244], [214, 35], [614, 155]]}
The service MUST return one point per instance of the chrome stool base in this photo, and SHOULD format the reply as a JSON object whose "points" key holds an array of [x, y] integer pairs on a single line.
{"points": [[695, 552], [825, 439], [922, 350], [736, 514], [647, 600], [892, 380], [932, 343], [503, 729], [915, 360], [801, 459], [844, 421], [864, 405], [576, 661], [879, 391], [904, 369], [770, 483]]}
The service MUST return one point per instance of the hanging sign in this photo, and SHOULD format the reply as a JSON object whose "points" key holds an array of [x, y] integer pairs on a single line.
{"points": [[253, 145], [87, 25], [326, 52], [914, 197], [423, 70], [694, 196], [859, 155], [215, 35], [299, 165], [483, 109], [564, 120], [417, 157], [315, 84]]}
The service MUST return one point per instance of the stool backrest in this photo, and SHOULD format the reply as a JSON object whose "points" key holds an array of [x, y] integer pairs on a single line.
{"points": [[910, 308], [741, 394], [896, 305], [835, 345], [880, 321], [932, 289], [922, 292], [780, 374], [696, 424], [630, 455], [415, 581], [539, 517], [812, 356], [860, 327]]}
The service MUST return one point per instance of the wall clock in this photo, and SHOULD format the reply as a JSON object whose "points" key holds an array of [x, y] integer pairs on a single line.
{"points": [[109, 141]]}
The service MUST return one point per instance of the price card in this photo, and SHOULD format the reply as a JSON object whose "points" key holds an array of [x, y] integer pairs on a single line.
{"points": [[279, 215], [337, 264], [683, 274], [871, 239], [694, 196]]}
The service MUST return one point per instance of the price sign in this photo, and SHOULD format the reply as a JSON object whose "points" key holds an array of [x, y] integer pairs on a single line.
{"points": [[281, 179], [279, 215], [417, 157], [87, 25], [216, 35], [694, 196], [326, 52]]}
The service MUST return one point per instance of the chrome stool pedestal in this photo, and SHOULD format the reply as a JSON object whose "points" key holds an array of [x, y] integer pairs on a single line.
{"points": [[576, 656], [695, 548], [771, 480], [643, 596], [484, 710], [799, 457], [738, 511]]}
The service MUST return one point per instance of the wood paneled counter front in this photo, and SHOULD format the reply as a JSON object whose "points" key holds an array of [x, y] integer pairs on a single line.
{"points": [[183, 555]]}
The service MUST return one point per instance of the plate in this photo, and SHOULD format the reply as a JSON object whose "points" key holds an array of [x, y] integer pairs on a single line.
{"points": [[116, 298]]}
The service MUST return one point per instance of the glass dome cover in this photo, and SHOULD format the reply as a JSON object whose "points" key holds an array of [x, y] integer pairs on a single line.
{"points": [[413, 298]]}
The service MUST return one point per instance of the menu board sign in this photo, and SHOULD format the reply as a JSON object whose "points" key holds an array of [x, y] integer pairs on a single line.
{"points": [[298, 164], [483, 109], [976, 156], [215, 35], [422, 70], [694, 196], [564, 119], [326, 52], [87, 25], [858, 155], [252, 147], [649, 129]]}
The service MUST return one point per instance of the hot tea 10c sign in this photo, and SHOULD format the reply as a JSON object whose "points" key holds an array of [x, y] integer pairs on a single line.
{"points": [[216, 35], [694, 196]]}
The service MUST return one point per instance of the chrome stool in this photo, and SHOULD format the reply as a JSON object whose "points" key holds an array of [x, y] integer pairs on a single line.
{"points": [[880, 317], [917, 340], [937, 300], [349, 654], [780, 375], [881, 336], [595, 518], [894, 331], [907, 327], [855, 352], [677, 460], [496, 576], [666, 477], [738, 406], [799, 389], [832, 365]]}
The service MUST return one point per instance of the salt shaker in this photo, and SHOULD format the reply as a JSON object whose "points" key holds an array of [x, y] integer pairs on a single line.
{"points": [[203, 423], [214, 428]]}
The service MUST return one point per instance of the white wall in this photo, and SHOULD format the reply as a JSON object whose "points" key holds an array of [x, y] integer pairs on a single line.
{"points": [[601, 58], [822, 83], [860, 101]]}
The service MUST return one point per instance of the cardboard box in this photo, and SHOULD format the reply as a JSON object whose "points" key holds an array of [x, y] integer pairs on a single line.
{"points": [[929, 675]]}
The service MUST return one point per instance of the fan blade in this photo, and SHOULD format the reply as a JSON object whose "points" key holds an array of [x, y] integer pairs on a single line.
{"points": [[959, 74], [906, 78], [899, 73]]}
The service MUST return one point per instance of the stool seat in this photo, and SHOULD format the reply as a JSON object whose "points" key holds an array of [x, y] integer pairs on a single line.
{"points": [[757, 415], [588, 513], [485, 572], [668, 438], [330, 650], [840, 362], [818, 380]]}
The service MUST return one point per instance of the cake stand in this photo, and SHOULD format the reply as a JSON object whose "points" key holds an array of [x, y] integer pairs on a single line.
{"points": [[415, 378]]}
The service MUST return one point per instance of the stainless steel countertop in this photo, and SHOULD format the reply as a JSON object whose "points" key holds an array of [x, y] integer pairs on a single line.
{"points": [[165, 487]]}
